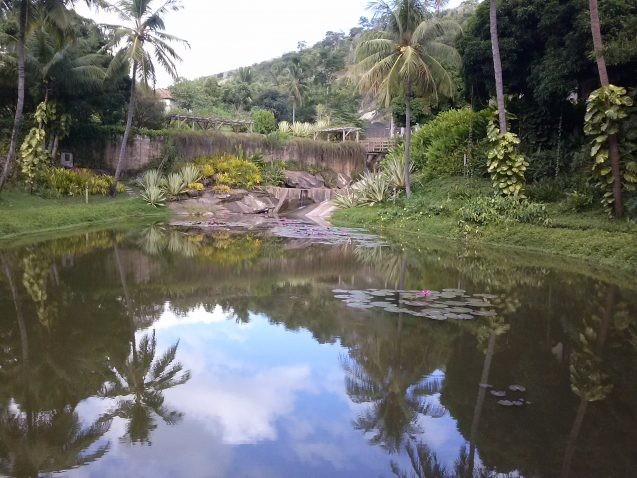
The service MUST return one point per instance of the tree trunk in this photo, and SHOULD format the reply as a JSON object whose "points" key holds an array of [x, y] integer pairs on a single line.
{"points": [[129, 124], [497, 66], [294, 112], [613, 143], [407, 136], [19, 110]]}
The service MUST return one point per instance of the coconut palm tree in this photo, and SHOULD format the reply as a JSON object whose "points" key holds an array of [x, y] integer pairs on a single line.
{"points": [[408, 57], [295, 87], [27, 11], [145, 43], [497, 65], [613, 143]]}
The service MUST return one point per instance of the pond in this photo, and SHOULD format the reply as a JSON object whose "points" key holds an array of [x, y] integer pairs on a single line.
{"points": [[324, 353]]}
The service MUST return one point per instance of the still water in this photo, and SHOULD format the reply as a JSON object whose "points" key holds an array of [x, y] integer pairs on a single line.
{"points": [[161, 353]]}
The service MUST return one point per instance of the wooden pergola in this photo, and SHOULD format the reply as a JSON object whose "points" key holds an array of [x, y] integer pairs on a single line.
{"points": [[343, 133], [207, 124]]}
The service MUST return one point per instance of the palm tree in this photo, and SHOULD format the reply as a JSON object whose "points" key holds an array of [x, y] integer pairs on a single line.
{"points": [[26, 11], [613, 143], [143, 37], [295, 87], [497, 66], [408, 57]]}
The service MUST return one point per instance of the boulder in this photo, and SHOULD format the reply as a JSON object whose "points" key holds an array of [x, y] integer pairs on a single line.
{"points": [[303, 180], [343, 181], [250, 203]]}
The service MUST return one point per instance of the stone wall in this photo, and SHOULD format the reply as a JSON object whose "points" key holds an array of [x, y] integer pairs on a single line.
{"points": [[143, 151]]}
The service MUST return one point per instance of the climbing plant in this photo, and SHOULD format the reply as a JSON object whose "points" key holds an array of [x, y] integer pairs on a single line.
{"points": [[607, 109], [33, 152], [506, 164]]}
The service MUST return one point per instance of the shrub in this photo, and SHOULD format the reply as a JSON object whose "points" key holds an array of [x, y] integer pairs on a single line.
{"points": [[273, 173], [264, 121], [196, 186], [190, 173], [74, 182], [154, 195], [440, 147], [174, 185], [393, 167], [150, 178], [230, 171], [578, 201], [500, 210]]}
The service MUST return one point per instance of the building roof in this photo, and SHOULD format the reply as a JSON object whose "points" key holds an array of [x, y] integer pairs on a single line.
{"points": [[164, 94]]}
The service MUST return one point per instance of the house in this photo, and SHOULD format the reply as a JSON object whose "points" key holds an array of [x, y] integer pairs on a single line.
{"points": [[166, 97]]}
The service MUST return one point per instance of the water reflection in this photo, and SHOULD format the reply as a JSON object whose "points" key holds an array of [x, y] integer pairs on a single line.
{"points": [[235, 347]]}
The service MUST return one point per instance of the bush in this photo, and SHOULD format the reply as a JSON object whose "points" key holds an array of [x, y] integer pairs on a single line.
{"points": [[230, 171], [440, 146], [73, 182], [501, 210], [264, 121], [273, 173]]}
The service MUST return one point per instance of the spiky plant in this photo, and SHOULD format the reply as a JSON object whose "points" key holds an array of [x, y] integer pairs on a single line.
{"points": [[150, 178], [154, 195], [190, 173], [174, 185]]}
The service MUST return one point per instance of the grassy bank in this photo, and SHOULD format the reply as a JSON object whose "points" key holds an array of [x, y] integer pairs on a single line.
{"points": [[22, 213], [451, 208]]}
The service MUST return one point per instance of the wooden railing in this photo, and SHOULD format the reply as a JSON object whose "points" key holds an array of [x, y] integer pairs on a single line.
{"points": [[378, 145]]}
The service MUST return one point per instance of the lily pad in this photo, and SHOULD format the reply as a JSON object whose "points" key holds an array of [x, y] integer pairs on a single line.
{"points": [[517, 388], [498, 393], [505, 403]]}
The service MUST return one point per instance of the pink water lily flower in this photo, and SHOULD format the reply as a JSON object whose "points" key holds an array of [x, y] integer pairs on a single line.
{"points": [[425, 293]]}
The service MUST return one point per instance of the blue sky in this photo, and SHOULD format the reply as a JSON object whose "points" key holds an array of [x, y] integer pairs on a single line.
{"points": [[229, 34]]}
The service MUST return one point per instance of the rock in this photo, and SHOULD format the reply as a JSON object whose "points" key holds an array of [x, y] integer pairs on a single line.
{"points": [[303, 180], [249, 203], [343, 181]]}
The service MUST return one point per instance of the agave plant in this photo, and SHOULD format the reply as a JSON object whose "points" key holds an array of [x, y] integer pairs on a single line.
{"points": [[372, 188], [174, 185], [303, 130], [190, 173], [150, 178], [154, 195], [346, 200], [285, 127], [394, 169]]}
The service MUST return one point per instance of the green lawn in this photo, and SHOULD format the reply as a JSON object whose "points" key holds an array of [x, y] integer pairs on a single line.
{"points": [[22, 213], [433, 210]]}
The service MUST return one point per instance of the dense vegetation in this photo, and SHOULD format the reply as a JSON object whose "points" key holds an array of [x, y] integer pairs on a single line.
{"points": [[553, 140]]}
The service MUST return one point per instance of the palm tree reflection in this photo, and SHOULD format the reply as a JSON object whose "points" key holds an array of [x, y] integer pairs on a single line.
{"points": [[139, 385]]}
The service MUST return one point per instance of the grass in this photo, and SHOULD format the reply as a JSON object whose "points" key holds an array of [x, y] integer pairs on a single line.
{"points": [[589, 236], [22, 213]]}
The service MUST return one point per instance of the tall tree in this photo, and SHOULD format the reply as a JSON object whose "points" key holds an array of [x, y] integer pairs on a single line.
{"points": [[497, 65], [295, 87], [145, 42], [26, 11], [613, 142], [408, 57]]}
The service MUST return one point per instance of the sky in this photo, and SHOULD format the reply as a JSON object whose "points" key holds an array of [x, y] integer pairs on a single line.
{"points": [[225, 35]]}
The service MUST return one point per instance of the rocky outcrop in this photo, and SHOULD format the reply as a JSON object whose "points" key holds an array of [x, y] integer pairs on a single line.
{"points": [[303, 180]]}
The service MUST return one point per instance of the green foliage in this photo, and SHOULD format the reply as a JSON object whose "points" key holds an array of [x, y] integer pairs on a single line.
{"points": [[33, 154], [151, 178], [190, 173], [452, 144], [393, 167], [502, 210], [230, 171], [606, 109], [273, 173], [75, 182], [264, 121], [370, 189], [505, 164], [154, 196], [174, 185]]}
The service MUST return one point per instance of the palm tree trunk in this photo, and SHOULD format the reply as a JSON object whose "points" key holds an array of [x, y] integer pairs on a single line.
{"points": [[129, 125], [19, 110], [477, 411], [294, 112], [613, 143], [407, 136], [497, 66]]}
